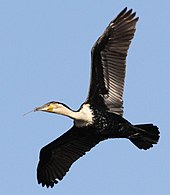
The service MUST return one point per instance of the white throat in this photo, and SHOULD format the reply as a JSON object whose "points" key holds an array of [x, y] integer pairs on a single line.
{"points": [[84, 116]]}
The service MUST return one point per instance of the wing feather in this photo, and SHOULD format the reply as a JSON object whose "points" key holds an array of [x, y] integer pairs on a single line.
{"points": [[108, 64], [57, 157]]}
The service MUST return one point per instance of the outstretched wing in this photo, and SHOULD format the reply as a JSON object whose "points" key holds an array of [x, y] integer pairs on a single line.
{"points": [[57, 157], [108, 62]]}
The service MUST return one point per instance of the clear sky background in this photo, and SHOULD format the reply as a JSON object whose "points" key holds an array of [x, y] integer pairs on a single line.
{"points": [[45, 55]]}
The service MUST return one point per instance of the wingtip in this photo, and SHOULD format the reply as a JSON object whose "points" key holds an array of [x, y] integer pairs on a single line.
{"points": [[126, 13], [123, 11], [47, 185]]}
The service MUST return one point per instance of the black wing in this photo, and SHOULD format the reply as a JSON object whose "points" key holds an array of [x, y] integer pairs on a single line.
{"points": [[108, 62], [57, 157]]}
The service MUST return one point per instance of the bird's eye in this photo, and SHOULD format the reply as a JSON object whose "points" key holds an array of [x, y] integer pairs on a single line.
{"points": [[48, 104]]}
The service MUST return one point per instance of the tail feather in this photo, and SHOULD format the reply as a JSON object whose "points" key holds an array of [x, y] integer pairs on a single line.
{"points": [[146, 135]]}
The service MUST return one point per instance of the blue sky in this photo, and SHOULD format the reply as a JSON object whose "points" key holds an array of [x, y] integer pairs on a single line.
{"points": [[45, 55]]}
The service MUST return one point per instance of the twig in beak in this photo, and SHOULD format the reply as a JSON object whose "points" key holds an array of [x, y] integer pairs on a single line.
{"points": [[29, 112]]}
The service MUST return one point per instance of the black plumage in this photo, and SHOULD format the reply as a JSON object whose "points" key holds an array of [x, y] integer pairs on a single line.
{"points": [[100, 117], [109, 61], [57, 157]]}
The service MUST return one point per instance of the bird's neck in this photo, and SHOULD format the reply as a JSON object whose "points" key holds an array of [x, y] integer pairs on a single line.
{"points": [[67, 112], [83, 117]]}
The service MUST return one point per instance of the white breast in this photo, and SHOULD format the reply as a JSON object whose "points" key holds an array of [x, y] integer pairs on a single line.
{"points": [[85, 116]]}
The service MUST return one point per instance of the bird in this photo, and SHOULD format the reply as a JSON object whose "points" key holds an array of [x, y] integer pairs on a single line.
{"points": [[100, 117]]}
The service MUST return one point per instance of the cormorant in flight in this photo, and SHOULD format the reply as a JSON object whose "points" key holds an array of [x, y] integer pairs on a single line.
{"points": [[100, 116]]}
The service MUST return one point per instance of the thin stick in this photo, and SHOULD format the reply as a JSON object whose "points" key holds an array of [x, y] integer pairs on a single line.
{"points": [[28, 112]]}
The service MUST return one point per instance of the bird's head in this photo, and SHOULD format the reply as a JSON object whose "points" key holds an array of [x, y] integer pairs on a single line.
{"points": [[53, 107]]}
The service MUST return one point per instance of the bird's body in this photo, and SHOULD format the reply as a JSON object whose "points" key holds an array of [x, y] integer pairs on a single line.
{"points": [[100, 116]]}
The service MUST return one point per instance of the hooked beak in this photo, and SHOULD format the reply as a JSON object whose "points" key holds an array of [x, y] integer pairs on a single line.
{"points": [[45, 108], [38, 109]]}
